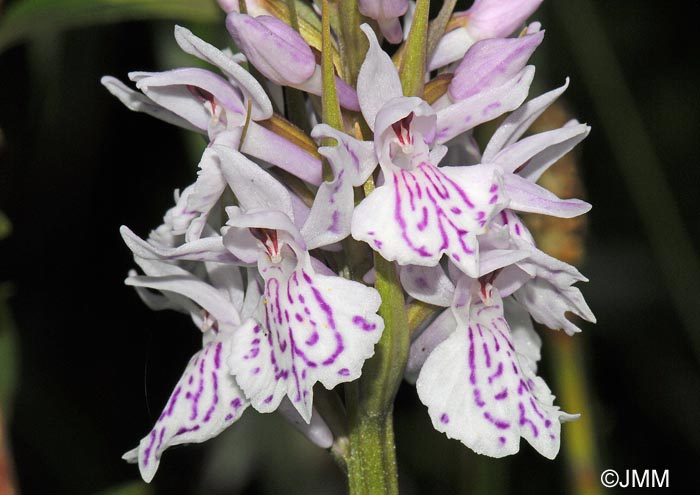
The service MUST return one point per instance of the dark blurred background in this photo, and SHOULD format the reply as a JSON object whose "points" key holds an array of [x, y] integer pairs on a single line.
{"points": [[94, 366]]}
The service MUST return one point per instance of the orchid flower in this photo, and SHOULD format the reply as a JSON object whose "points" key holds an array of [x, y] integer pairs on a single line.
{"points": [[485, 19], [478, 364], [317, 326], [302, 317], [201, 100]]}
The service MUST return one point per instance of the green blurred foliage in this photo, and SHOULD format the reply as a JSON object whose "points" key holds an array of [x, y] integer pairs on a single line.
{"points": [[24, 20]]}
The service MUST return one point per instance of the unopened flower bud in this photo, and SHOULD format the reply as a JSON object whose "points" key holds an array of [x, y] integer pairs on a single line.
{"points": [[273, 47]]}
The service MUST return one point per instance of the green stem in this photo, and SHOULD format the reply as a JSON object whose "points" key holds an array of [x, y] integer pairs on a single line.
{"points": [[412, 70], [372, 460], [354, 42]]}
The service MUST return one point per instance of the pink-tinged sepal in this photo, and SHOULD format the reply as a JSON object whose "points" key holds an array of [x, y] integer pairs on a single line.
{"points": [[532, 156], [352, 162], [474, 110], [480, 384], [138, 102], [550, 293], [498, 18], [418, 215], [314, 328], [204, 249], [429, 284], [518, 122], [387, 14], [204, 402], [527, 196], [491, 63], [261, 107], [378, 82]]}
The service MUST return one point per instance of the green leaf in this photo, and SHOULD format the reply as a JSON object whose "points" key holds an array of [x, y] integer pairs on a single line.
{"points": [[9, 351], [26, 18]]}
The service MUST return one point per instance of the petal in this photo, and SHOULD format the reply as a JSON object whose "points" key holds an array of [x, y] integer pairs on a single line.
{"points": [[316, 431], [356, 157], [391, 30], [228, 280], [378, 82], [490, 63], [434, 334], [528, 196], [204, 403], [273, 47], [331, 213], [276, 150], [254, 188], [478, 392], [549, 303], [318, 328], [498, 18], [520, 121], [482, 107], [205, 249], [138, 102], [205, 193], [347, 97], [418, 215], [532, 156], [240, 241], [172, 90], [451, 48], [166, 277], [261, 107], [429, 284]]}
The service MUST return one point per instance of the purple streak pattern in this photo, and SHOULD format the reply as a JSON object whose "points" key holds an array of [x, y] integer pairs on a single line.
{"points": [[315, 328], [205, 401], [490, 393], [420, 214]]}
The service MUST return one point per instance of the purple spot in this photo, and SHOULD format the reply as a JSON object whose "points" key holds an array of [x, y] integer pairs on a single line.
{"points": [[365, 325], [455, 210], [477, 398], [313, 339], [501, 425], [255, 371], [502, 440], [299, 317], [343, 372], [492, 106], [444, 419], [236, 403], [173, 400], [524, 420], [422, 283], [499, 372], [228, 417], [217, 356], [268, 400], [501, 395]]}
